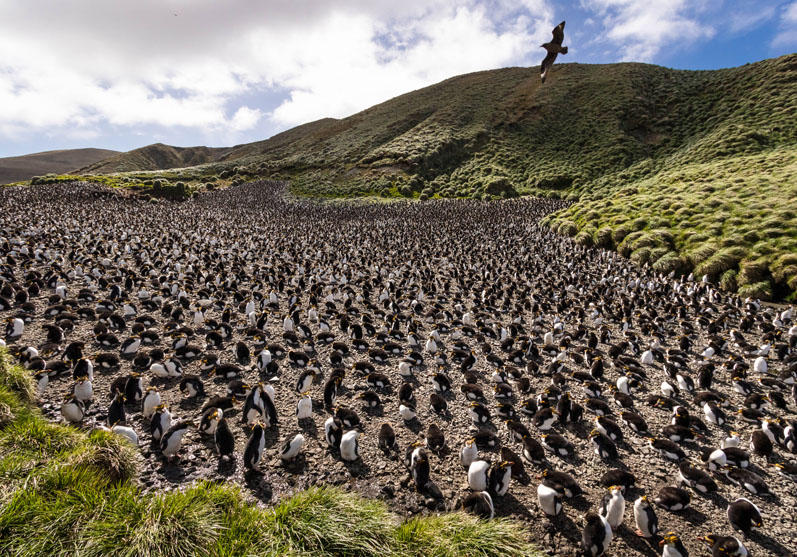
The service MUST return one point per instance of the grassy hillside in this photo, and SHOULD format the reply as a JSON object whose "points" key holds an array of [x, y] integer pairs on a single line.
{"points": [[14, 169], [66, 492], [154, 157]]}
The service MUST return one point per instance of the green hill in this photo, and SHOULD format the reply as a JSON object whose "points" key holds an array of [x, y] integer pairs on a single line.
{"points": [[683, 170], [154, 157]]}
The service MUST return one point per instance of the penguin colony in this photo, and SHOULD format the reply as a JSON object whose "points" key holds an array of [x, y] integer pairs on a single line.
{"points": [[493, 365]]}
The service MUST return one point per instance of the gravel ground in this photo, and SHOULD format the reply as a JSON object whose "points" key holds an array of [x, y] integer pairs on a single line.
{"points": [[428, 264]]}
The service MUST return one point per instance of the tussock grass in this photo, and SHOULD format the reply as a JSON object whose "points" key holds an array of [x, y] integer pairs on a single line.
{"points": [[66, 492]]}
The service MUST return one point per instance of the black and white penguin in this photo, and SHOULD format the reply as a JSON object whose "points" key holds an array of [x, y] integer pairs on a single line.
{"points": [[151, 399], [350, 446], [609, 427], [596, 536], [305, 380], [499, 477], [667, 449], [743, 515], [672, 546], [254, 406], [725, 546], [333, 432], [558, 445], [604, 446], [562, 482], [134, 388], [210, 420], [549, 499], [672, 498], [172, 440], [224, 440], [696, 478], [291, 448], [116, 411], [73, 409], [480, 504], [647, 522], [420, 469], [160, 422], [747, 479], [253, 452], [192, 387], [478, 472], [618, 477], [613, 507]]}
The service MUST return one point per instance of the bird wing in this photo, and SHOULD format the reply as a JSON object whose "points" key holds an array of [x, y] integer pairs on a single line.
{"points": [[548, 62], [559, 34]]}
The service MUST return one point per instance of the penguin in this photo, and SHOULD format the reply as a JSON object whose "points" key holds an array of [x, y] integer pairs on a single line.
{"points": [[604, 447], [126, 432], [667, 449], [134, 388], [83, 389], [291, 448], [747, 480], [558, 445], [160, 422], [562, 482], [732, 440], [477, 475], [210, 420], [743, 515], [350, 446], [116, 411], [672, 546], [617, 477], [151, 400], [73, 409], [725, 546], [420, 469], [695, 478], [253, 453], [333, 432], [254, 406], [549, 499], [479, 504], [544, 419], [435, 440], [224, 440], [386, 438], [191, 386], [468, 453], [305, 380], [609, 428], [596, 536], [499, 477], [172, 440], [613, 507], [672, 498], [647, 522], [761, 444], [370, 398], [304, 407]]}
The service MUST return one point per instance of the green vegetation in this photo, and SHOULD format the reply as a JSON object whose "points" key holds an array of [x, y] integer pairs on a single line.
{"points": [[65, 492]]}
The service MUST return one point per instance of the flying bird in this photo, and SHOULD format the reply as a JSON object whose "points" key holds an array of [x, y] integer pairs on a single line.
{"points": [[554, 48]]}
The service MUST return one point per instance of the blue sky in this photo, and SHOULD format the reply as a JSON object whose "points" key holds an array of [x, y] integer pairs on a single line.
{"points": [[123, 74]]}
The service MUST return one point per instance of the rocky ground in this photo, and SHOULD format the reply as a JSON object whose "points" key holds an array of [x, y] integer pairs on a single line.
{"points": [[424, 266]]}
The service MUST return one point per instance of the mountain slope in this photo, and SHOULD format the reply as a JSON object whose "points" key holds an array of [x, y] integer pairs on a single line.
{"points": [[154, 157], [14, 169]]}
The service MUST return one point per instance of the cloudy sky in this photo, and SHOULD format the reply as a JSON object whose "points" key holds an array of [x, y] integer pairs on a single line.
{"points": [[120, 74]]}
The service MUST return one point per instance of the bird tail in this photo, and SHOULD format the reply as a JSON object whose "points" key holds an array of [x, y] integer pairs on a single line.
{"points": [[563, 51]]}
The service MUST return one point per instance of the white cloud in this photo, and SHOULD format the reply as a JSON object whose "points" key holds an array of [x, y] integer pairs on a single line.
{"points": [[202, 64], [787, 31], [642, 28]]}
